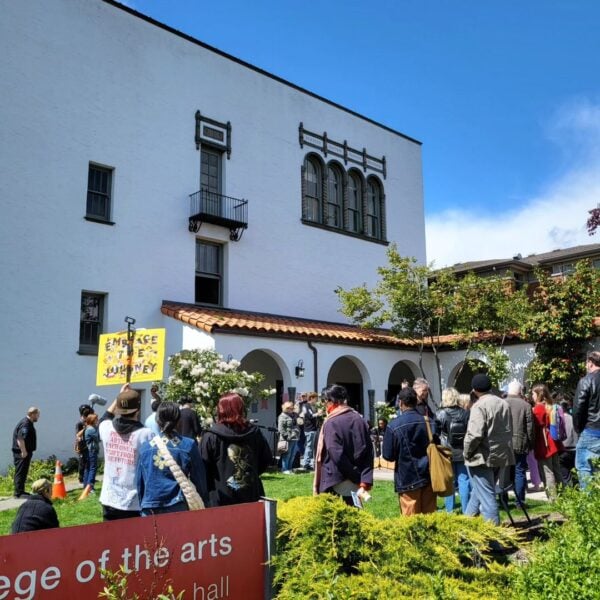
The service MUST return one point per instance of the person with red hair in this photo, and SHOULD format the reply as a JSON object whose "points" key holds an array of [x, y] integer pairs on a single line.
{"points": [[235, 454]]}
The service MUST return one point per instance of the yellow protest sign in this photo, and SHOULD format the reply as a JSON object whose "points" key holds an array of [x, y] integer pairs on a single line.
{"points": [[147, 358]]}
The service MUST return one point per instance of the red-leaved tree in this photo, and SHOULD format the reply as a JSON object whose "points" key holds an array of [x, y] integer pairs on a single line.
{"points": [[594, 221]]}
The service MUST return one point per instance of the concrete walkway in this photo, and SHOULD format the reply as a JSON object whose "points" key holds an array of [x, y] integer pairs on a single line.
{"points": [[8, 502]]}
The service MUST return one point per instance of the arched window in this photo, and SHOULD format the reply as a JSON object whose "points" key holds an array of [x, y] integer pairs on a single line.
{"points": [[373, 217], [335, 196], [313, 190], [354, 206]]}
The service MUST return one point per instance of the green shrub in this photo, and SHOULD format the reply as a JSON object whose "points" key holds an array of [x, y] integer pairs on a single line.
{"points": [[329, 550], [566, 566], [37, 469]]}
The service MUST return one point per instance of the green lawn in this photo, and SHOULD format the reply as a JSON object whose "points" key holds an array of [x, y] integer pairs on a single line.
{"points": [[384, 503]]}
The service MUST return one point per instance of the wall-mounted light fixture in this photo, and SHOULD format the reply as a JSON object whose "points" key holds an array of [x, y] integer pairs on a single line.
{"points": [[300, 368]]}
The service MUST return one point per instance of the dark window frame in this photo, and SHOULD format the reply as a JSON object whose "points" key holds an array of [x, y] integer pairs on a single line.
{"points": [[312, 191], [366, 221], [335, 196], [374, 212], [205, 184], [99, 194], [211, 276], [91, 326], [354, 219]]}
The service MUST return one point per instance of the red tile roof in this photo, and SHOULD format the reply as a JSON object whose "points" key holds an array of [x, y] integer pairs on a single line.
{"points": [[223, 320]]}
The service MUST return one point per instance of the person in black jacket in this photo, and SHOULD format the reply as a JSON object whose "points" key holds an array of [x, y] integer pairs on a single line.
{"points": [[586, 419], [451, 424], [235, 454], [24, 444], [37, 512]]}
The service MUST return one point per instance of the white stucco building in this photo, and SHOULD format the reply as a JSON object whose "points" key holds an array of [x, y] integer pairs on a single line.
{"points": [[146, 174]]}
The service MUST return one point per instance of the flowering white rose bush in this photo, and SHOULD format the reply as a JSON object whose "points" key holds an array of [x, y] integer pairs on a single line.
{"points": [[204, 376]]}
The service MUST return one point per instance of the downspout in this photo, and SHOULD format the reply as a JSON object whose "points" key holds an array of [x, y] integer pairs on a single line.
{"points": [[315, 365]]}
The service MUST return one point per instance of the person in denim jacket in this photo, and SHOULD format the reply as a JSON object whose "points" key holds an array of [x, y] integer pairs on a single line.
{"points": [[405, 442], [158, 490], [92, 443]]}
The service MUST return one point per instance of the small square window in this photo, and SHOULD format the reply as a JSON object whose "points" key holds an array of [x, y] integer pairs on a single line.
{"points": [[91, 321], [209, 273], [99, 193]]}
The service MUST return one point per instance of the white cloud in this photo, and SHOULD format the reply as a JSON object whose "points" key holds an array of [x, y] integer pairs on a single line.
{"points": [[556, 218]]}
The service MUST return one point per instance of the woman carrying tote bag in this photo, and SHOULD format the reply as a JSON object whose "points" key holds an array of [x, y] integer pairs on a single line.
{"points": [[170, 472]]}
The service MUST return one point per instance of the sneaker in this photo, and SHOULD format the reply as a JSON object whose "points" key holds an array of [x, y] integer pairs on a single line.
{"points": [[287, 472]]}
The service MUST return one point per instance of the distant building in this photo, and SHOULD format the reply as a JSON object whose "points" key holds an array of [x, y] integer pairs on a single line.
{"points": [[521, 269]]}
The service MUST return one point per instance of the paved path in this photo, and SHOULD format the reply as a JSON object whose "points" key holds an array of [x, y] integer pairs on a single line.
{"points": [[8, 502]]}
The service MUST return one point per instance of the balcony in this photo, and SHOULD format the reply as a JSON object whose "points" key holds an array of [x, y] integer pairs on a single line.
{"points": [[210, 207]]}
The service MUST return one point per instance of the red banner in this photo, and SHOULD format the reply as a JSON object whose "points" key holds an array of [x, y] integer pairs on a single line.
{"points": [[211, 554]]}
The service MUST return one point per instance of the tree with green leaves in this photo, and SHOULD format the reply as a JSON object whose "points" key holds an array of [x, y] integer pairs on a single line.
{"points": [[562, 325], [422, 305], [487, 310]]}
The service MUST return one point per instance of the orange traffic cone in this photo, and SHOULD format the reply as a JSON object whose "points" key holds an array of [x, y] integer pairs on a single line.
{"points": [[58, 487], [86, 492]]}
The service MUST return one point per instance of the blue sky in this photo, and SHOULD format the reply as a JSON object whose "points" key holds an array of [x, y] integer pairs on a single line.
{"points": [[504, 95]]}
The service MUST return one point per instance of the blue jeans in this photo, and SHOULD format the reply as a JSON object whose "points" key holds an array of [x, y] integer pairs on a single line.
{"points": [[520, 476], [588, 449], [287, 459], [483, 495], [462, 483], [89, 477], [308, 460]]}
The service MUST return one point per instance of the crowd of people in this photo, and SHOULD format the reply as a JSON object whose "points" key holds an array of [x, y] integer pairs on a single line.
{"points": [[167, 464], [297, 427], [495, 438], [151, 468]]}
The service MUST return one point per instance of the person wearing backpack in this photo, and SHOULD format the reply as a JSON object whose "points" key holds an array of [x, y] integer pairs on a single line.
{"points": [[80, 447], [451, 423], [546, 450]]}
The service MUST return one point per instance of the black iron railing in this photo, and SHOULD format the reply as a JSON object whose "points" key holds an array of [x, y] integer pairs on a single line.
{"points": [[210, 207]]}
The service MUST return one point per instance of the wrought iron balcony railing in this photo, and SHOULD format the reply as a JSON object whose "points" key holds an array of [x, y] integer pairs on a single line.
{"points": [[210, 207]]}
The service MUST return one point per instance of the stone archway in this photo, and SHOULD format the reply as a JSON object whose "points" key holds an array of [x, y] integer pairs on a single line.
{"points": [[462, 374], [401, 371], [272, 366], [352, 374]]}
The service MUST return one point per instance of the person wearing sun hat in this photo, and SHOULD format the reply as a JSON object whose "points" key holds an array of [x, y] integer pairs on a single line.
{"points": [[122, 435], [487, 447], [37, 512]]}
